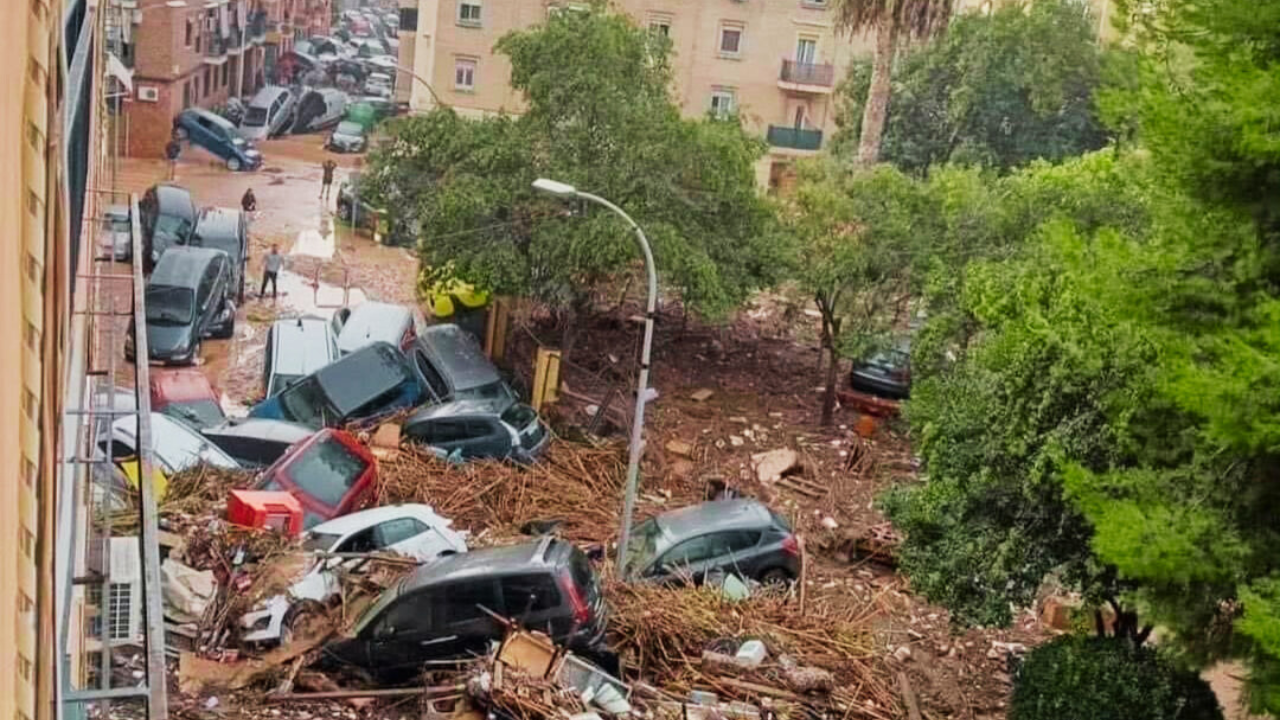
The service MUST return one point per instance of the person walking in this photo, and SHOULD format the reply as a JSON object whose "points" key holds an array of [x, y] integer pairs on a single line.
{"points": [[270, 271], [327, 181]]}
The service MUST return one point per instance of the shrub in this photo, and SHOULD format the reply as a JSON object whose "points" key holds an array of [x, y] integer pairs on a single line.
{"points": [[1105, 678]]}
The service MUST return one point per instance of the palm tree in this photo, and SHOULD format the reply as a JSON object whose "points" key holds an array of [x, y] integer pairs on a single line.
{"points": [[890, 18]]}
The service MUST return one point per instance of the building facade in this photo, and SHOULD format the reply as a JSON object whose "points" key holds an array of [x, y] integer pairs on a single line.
{"points": [[777, 63]]}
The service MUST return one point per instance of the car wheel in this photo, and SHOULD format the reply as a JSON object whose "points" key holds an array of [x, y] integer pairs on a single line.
{"points": [[233, 164], [300, 622], [195, 353], [775, 577]]}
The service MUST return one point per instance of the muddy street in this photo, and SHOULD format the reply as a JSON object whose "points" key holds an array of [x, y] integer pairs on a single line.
{"points": [[327, 265]]}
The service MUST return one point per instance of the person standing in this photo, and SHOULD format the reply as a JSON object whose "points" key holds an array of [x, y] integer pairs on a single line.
{"points": [[270, 271], [327, 182]]}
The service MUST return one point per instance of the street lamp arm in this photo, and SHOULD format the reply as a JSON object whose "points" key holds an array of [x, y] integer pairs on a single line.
{"points": [[650, 269]]}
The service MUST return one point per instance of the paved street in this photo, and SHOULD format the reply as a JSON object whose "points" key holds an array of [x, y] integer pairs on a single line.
{"points": [[323, 255]]}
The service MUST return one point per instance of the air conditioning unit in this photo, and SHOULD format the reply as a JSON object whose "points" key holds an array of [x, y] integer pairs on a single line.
{"points": [[148, 93], [122, 598]]}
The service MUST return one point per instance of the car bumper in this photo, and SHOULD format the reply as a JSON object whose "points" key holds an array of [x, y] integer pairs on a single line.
{"points": [[265, 625]]}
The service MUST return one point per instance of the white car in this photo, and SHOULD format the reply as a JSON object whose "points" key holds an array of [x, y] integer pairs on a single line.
{"points": [[415, 531], [175, 446]]}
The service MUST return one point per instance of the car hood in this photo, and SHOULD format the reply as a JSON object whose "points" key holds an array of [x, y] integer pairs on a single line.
{"points": [[164, 340]]}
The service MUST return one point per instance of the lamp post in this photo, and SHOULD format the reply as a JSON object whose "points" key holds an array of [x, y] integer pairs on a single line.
{"points": [[561, 190]]}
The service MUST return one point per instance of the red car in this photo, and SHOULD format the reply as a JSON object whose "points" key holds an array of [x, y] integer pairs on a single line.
{"points": [[330, 473], [187, 395]]}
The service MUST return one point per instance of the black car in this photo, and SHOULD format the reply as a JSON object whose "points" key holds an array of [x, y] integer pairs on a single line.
{"points": [[438, 612], [188, 298], [480, 429], [225, 229], [455, 366], [168, 218], [255, 442], [886, 374], [373, 381], [739, 537]]}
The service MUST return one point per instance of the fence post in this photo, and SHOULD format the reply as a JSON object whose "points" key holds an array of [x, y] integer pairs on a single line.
{"points": [[546, 377]]}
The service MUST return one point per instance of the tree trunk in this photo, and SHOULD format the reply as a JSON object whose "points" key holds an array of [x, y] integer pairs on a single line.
{"points": [[829, 396], [877, 107]]}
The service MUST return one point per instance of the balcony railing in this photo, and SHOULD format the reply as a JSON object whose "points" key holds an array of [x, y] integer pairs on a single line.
{"points": [[235, 38], [823, 74], [214, 46], [258, 25], [794, 138]]}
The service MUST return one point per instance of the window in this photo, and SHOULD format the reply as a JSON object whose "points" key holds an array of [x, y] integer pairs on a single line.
{"points": [[327, 470], [195, 88], [460, 601], [411, 615], [469, 13], [189, 33], [361, 542], [710, 546], [119, 600], [186, 95], [226, 69], [394, 531], [464, 74], [207, 85], [807, 51], [409, 19], [660, 25], [723, 102], [731, 40], [435, 383], [529, 593]]}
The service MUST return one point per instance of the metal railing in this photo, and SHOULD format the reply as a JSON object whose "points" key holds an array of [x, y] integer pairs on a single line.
{"points": [[258, 25], [214, 46], [794, 138], [801, 73]]}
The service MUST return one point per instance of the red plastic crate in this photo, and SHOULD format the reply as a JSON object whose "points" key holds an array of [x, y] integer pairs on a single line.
{"points": [[278, 511]]}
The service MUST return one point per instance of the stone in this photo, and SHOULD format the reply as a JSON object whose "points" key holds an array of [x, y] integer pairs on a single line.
{"points": [[679, 447], [902, 654], [736, 441], [701, 395], [830, 523], [771, 465]]}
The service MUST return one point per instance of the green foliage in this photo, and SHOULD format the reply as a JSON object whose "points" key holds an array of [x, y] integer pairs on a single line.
{"points": [[996, 91], [1107, 679], [599, 116]]}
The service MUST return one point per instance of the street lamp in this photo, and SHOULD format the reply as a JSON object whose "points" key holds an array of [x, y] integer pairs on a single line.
{"points": [[561, 190]]}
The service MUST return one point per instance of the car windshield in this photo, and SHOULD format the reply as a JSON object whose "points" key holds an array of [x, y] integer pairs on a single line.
{"points": [[519, 416], [305, 402], [349, 128], [320, 542], [493, 391], [282, 381], [228, 244], [172, 226], [256, 117], [199, 413], [326, 471], [645, 544], [169, 305]]}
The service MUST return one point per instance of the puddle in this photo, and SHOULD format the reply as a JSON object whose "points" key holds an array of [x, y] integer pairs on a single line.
{"points": [[299, 294], [316, 243]]}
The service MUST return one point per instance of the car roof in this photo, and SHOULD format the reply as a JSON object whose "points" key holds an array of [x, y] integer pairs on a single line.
{"points": [[263, 428], [268, 95], [348, 393], [220, 220], [356, 521], [458, 408], [172, 197], [715, 515], [501, 560], [182, 266], [118, 210], [373, 321], [459, 355], [181, 385], [304, 338], [213, 117]]}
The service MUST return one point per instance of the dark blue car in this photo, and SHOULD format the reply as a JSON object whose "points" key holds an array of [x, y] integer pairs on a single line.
{"points": [[373, 381], [217, 135]]}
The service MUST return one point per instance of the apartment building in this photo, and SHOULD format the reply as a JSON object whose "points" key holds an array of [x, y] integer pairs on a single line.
{"points": [[776, 63]]}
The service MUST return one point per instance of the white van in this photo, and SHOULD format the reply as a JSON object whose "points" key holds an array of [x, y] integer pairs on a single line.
{"points": [[319, 109]]}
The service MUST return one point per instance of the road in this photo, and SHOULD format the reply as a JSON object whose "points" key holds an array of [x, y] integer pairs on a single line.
{"points": [[322, 255]]}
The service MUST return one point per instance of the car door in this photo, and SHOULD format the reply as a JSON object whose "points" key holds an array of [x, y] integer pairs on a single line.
{"points": [[436, 385], [410, 536], [204, 291], [490, 438], [406, 633], [693, 558], [463, 628]]}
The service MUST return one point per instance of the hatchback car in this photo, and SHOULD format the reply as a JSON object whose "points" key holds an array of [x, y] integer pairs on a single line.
{"points": [[439, 611], [188, 298], [346, 137], [296, 348], [886, 374], [740, 537], [455, 367], [255, 442], [371, 322], [186, 395], [168, 218], [329, 473], [217, 135], [414, 531], [373, 381], [175, 446], [480, 429], [226, 229], [270, 113]]}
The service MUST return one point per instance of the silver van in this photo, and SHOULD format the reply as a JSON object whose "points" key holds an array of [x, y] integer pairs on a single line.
{"points": [[270, 113], [296, 348]]}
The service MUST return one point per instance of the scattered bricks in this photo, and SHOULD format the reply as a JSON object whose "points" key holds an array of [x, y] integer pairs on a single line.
{"points": [[679, 447]]}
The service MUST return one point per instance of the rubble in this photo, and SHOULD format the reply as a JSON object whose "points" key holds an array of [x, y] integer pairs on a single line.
{"points": [[770, 466]]}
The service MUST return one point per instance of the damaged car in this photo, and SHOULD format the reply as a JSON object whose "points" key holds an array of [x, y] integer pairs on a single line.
{"points": [[329, 473], [414, 531]]}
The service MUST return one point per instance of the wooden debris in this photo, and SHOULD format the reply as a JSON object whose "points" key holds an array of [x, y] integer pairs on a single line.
{"points": [[804, 487], [701, 395], [909, 697]]}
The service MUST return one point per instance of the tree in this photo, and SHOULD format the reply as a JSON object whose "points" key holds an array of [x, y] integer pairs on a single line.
{"points": [[998, 90], [1107, 679], [598, 115], [852, 231], [891, 19]]}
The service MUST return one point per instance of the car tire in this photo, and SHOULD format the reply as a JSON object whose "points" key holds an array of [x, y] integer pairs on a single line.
{"points": [[298, 619], [775, 577], [195, 353], [233, 164], [230, 330]]}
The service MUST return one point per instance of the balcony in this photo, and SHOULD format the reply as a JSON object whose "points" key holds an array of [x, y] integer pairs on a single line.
{"points": [[258, 26], [235, 40], [807, 77], [793, 138], [215, 50]]}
